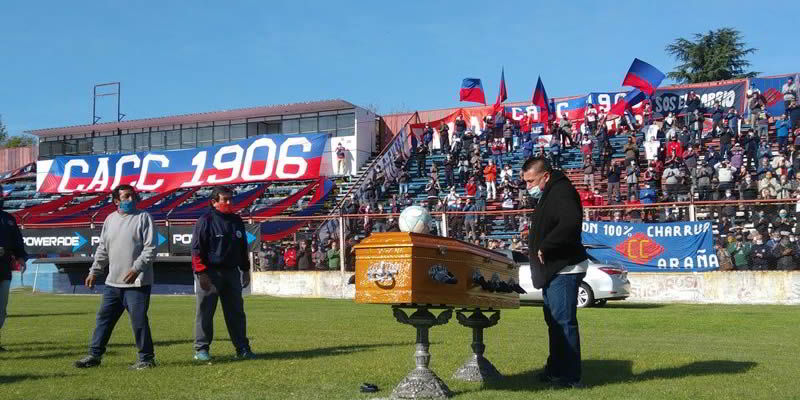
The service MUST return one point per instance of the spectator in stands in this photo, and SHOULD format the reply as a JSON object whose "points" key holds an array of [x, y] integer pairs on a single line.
{"points": [[725, 139], [748, 188], [673, 147], [632, 177], [669, 122], [471, 187], [725, 175], [770, 184], [527, 148], [333, 256], [591, 118], [717, 114], [508, 205], [422, 154], [651, 146], [565, 130], [756, 106], [671, 178], [463, 169], [319, 257], [740, 250], [470, 220], [508, 136], [290, 257], [782, 131], [690, 158], [490, 174], [631, 150], [725, 261], [784, 253], [427, 137], [605, 157], [733, 120], [452, 199], [497, 151], [634, 213], [760, 255], [588, 171], [304, 261], [480, 198], [692, 104], [696, 124], [750, 144], [704, 174], [444, 138], [432, 188], [613, 177], [341, 159], [786, 188], [789, 91], [737, 156], [461, 126], [586, 145]]}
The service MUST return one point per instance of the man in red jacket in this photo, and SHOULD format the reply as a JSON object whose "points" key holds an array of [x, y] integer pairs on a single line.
{"points": [[290, 257]]}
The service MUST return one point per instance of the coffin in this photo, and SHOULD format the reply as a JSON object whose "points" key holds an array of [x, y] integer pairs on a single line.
{"points": [[412, 268]]}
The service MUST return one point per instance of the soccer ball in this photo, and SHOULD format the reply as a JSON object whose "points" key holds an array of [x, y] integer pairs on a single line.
{"points": [[415, 219]]}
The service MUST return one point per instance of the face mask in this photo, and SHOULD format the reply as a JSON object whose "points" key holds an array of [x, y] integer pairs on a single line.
{"points": [[783, 215], [224, 208], [535, 192], [127, 207]]}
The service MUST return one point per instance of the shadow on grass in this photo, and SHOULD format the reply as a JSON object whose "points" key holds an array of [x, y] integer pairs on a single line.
{"points": [[28, 377], [47, 314], [309, 353], [607, 372]]}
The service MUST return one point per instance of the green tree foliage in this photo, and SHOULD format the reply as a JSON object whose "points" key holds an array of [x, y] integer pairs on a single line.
{"points": [[14, 141], [713, 56]]}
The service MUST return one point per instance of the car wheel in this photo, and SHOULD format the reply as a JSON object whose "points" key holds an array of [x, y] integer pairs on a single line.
{"points": [[585, 296], [600, 303]]}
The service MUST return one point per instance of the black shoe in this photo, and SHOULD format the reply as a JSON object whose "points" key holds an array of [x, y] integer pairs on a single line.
{"points": [[87, 362], [143, 365], [245, 354]]}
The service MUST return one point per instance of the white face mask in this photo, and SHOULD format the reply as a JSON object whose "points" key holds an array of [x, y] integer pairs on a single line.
{"points": [[535, 192]]}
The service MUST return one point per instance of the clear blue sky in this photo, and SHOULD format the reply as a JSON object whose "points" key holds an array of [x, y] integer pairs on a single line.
{"points": [[176, 57]]}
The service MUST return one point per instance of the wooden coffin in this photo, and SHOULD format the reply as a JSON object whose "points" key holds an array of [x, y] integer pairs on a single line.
{"points": [[412, 268]]}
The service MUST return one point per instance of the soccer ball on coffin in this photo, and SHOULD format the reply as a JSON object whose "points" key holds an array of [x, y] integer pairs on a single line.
{"points": [[415, 219]]}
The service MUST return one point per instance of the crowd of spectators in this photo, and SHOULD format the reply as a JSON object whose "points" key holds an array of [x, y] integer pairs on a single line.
{"points": [[705, 153]]}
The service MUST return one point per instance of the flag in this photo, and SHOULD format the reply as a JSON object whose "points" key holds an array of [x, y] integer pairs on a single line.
{"points": [[631, 99], [502, 94], [540, 100], [472, 90], [643, 76]]}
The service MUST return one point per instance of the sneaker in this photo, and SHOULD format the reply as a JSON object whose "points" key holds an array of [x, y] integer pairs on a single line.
{"points": [[87, 362], [143, 364], [202, 355], [246, 354]]}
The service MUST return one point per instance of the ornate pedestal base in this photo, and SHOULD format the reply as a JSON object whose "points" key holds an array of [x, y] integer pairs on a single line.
{"points": [[477, 368], [421, 382]]}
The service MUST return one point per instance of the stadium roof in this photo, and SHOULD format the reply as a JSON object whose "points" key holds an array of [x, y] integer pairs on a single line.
{"points": [[241, 113]]}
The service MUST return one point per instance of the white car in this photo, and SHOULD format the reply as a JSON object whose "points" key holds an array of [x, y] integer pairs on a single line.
{"points": [[603, 282]]}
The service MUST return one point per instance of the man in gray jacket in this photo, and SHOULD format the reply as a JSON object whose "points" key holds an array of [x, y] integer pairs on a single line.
{"points": [[127, 249]]}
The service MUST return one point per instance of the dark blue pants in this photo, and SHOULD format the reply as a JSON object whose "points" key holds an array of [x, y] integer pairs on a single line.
{"points": [[136, 301], [560, 313], [228, 290]]}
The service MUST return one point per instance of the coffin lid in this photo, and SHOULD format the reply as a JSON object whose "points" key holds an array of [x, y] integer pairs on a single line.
{"points": [[420, 240]]}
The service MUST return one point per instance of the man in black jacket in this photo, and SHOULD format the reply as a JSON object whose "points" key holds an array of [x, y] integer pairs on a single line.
{"points": [[222, 269], [558, 265], [12, 250]]}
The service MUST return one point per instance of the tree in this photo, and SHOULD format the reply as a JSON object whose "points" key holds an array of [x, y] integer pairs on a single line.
{"points": [[714, 56], [3, 130], [18, 141], [13, 141]]}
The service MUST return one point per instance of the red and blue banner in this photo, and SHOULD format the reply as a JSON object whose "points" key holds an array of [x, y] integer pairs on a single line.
{"points": [[541, 100], [662, 247], [771, 89], [472, 90], [643, 76], [257, 159], [276, 230]]}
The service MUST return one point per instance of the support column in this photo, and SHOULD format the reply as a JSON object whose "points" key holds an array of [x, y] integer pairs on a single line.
{"points": [[421, 382], [477, 368]]}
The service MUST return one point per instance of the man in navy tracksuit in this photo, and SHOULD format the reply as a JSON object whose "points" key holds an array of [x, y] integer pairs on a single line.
{"points": [[222, 268]]}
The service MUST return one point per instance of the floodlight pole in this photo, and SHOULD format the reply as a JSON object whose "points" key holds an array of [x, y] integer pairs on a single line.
{"points": [[117, 93]]}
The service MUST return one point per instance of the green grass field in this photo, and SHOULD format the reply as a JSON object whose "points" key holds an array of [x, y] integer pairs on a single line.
{"points": [[324, 349]]}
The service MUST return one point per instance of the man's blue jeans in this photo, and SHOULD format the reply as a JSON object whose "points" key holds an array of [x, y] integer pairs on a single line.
{"points": [[136, 300], [560, 309]]}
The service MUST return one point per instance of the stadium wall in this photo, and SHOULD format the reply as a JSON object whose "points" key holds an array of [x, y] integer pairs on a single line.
{"points": [[11, 159], [730, 287]]}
